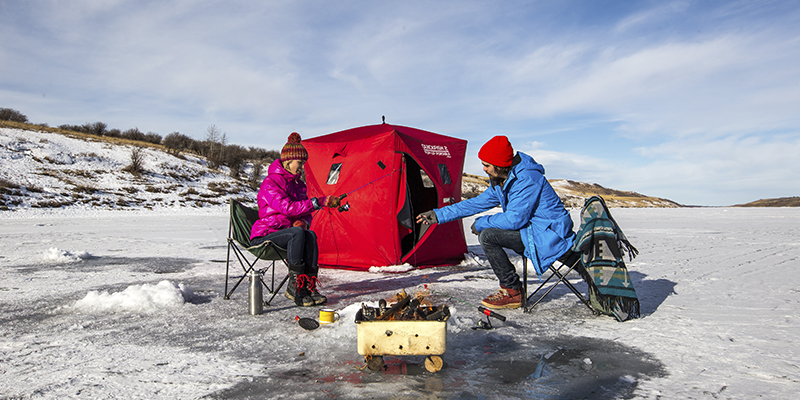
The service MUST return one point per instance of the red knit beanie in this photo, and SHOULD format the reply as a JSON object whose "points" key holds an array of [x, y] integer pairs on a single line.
{"points": [[497, 151], [293, 150]]}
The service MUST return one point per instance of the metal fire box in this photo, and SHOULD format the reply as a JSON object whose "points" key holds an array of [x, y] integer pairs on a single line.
{"points": [[379, 338]]}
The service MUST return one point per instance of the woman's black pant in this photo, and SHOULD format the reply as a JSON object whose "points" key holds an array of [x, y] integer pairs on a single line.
{"points": [[301, 245]]}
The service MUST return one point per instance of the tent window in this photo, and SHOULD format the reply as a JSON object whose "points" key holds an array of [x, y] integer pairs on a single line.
{"points": [[445, 174], [426, 180], [333, 175]]}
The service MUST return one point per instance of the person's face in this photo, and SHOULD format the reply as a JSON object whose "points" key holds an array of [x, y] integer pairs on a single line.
{"points": [[490, 170], [295, 166]]}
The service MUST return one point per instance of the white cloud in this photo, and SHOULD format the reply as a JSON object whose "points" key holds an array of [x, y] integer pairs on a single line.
{"points": [[649, 16]]}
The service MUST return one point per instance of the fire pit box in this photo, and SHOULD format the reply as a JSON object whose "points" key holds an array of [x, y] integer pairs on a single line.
{"points": [[400, 338]]}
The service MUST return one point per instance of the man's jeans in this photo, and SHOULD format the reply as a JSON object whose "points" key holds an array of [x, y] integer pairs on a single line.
{"points": [[301, 246], [493, 241]]}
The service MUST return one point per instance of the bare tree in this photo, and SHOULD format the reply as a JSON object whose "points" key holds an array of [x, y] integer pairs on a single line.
{"points": [[215, 140], [213, 134]]}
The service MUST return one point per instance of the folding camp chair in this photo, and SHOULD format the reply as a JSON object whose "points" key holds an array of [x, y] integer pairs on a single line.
{"points": [[597, 254], [571, 261], [242, 219]]}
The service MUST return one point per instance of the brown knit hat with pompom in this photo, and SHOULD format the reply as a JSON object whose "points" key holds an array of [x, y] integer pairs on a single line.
{"points": [[293, 150]]}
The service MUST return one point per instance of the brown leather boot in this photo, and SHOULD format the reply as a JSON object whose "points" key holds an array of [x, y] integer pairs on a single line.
{"points": [[504, 298]]}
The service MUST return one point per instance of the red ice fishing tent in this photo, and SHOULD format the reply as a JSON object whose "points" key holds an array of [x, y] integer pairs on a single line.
{"points": [[390, 174]]}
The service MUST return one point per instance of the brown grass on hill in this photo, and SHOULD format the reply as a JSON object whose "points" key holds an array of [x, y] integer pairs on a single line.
{"points": [[779, 202], [595, 189], [79, 135]]}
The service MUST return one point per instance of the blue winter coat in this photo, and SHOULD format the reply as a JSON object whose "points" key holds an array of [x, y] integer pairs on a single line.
{"points": [[530, 205]]}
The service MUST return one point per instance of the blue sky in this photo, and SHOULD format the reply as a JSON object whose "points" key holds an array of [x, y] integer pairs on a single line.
{"points": [[694, 101]]}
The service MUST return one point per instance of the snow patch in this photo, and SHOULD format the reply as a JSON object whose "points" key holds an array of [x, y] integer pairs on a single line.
{"points": [[136, 298], [63, 256], [392, 268]]}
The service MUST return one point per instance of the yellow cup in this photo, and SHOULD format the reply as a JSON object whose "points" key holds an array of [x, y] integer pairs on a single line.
{"points": [[328, 316]]}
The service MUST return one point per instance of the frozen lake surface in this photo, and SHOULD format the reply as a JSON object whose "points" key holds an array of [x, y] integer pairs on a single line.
{"points": [[101, 304]]}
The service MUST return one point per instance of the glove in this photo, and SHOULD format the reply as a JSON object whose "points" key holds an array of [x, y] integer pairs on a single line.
{"points": [[474, 231], [428, 218], [300, 223], [332, 201]]}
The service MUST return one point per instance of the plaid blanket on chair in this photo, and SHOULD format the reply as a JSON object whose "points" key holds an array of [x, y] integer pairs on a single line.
{"points": [[602, 245]]}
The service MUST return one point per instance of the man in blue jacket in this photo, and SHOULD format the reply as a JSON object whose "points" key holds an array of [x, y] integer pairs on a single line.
{"points": [[534, 221]]}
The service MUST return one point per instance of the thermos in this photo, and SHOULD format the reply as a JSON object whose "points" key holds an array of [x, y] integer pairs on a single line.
{"points": [[256, 295]]}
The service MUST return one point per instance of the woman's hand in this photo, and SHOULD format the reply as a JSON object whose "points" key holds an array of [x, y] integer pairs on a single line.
{"points": [[329, 201], [300, 223], [332, 201]]}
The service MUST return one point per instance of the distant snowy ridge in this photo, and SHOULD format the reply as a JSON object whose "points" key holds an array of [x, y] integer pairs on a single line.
{"points": [[573, 193]]}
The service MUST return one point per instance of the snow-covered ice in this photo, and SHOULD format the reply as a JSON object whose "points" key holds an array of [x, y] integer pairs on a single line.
{"points": [[129, 304]]}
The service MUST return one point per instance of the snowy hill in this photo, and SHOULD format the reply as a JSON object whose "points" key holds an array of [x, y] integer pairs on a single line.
{"points": [[53, 170], [42, 169]]}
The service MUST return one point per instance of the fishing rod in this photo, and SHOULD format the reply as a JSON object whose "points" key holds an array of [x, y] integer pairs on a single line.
{"points": [[483, 310], [367, 184], [346, 207]]}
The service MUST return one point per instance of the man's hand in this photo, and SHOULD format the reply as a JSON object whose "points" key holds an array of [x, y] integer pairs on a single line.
{"points": [[428, 218], [474, 231]]}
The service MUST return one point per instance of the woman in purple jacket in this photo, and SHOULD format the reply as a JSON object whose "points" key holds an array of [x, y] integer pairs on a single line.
{"points": [[284, 211]]}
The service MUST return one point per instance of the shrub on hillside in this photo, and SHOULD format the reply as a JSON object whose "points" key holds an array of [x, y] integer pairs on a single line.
{"points": [[136, 167], [152, 137], [234, 156], [255, 177], [8, 114], [177, 142], [97, 128], [114, 133], [73, 128], [133, 134], [266, 156]]}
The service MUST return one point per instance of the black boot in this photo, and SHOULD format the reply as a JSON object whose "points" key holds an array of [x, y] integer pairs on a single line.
{"points": [[315, 295], [300, 292], [291, 286]]}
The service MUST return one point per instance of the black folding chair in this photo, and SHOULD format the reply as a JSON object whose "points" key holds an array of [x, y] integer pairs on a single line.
{"points": [[568, 262], [242, 219]]}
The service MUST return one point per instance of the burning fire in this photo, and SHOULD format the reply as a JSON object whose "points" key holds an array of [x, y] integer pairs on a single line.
{"points": [[405, 307]]}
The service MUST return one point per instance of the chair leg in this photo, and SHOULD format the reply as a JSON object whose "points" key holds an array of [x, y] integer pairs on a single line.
{"points": [[242, 261], [550, 289], [561, 278], [524, 281], [528, 299], [249, 266], [286, 278], [227, 270]]}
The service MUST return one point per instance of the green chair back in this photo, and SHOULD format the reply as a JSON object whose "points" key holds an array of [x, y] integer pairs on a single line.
{"points": [[242, 220]]}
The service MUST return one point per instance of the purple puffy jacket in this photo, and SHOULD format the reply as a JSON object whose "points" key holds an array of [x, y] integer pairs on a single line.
{"points": [[282, 200]]}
